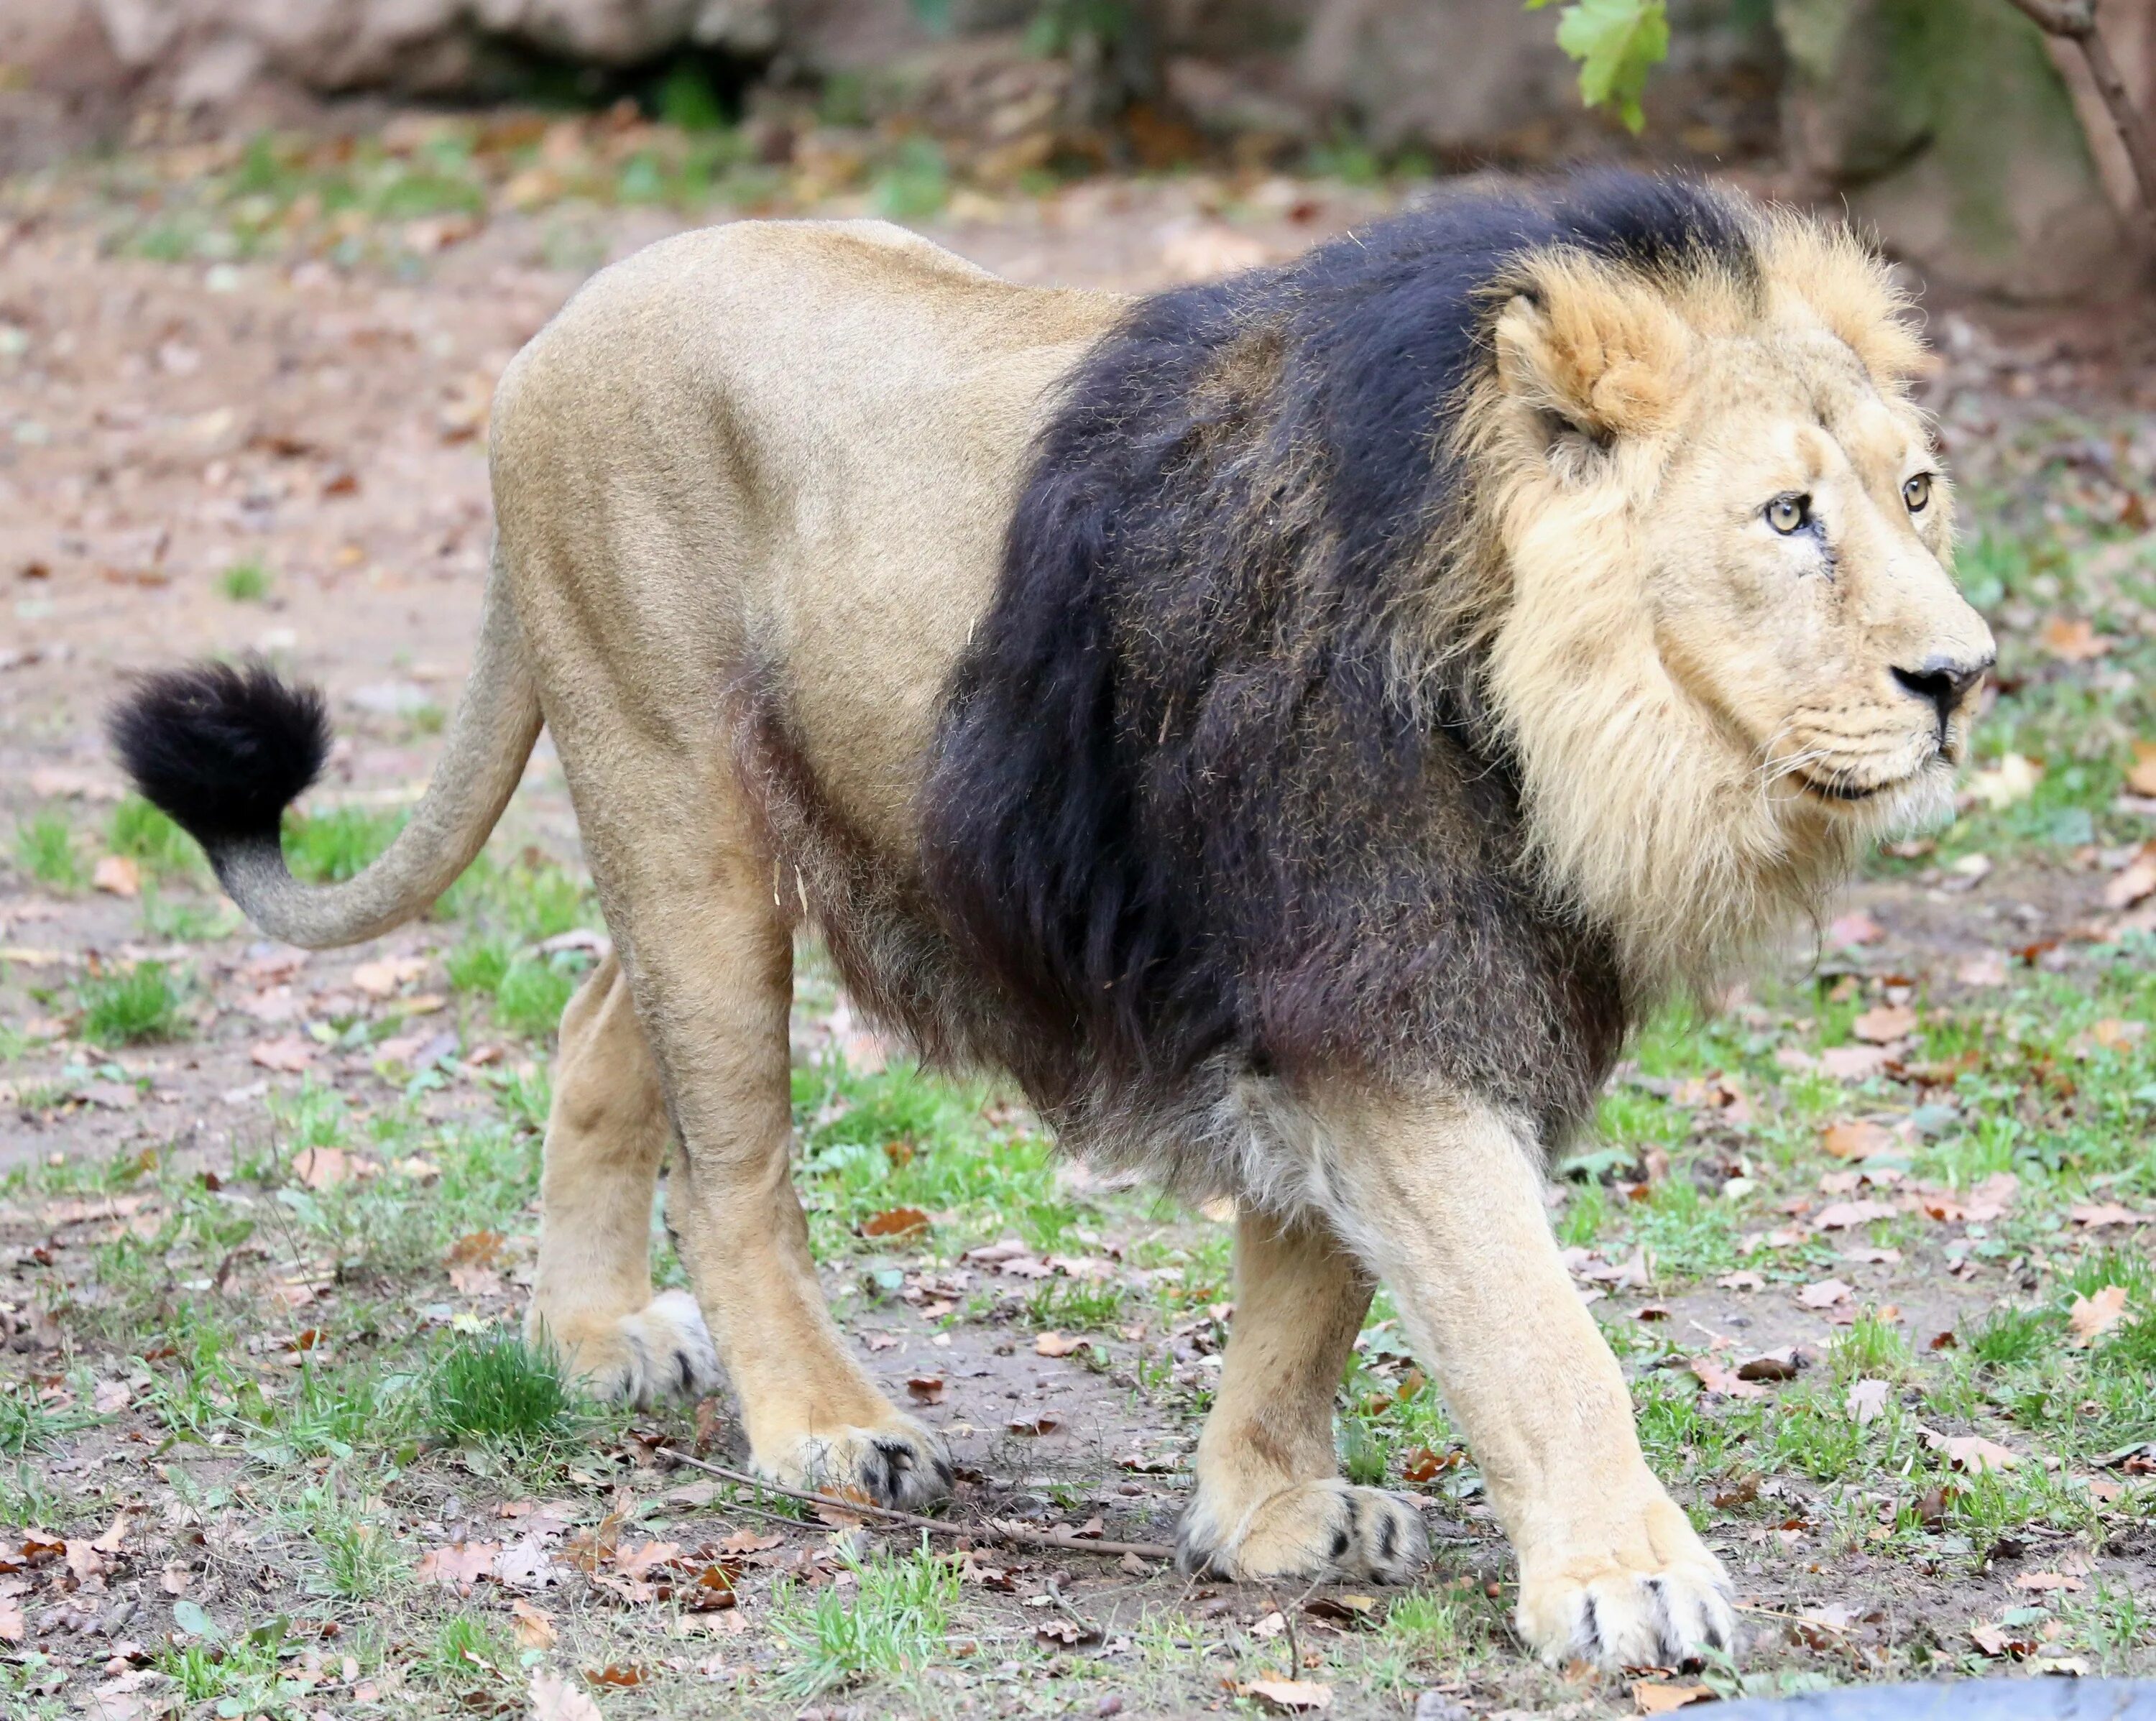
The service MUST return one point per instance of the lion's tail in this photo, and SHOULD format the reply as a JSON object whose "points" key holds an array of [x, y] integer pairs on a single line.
{"points": [[225, 751]]}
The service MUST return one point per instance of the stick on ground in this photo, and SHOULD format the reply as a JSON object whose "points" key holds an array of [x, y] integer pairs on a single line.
{"points": [[989, 1529]]}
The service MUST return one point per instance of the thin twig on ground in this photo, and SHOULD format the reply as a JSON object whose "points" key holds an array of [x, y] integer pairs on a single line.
{"points": [[991, 1529]]}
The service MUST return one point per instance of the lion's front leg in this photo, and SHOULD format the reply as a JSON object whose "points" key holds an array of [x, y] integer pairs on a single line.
{"points": [[1447, 1198], [1270, 1501]]}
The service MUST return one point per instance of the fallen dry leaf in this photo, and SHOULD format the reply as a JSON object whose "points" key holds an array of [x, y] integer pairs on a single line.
{"points": [[288, 1054], [896, 1222], [117, 875], [2091, 1317], [1825, 1293], [1844, 1216], [1061, 1345], [1986, 970], [458, 1566], [924, 1389], [1655, 1698], [1998, 787], [379, 980], [1858, 1140], [1044, 1423], [1287, 1697], [2096, 1216], [2073, 640], [534, 1627], [1769, 1365], [2133, 881], [622, 1675], [13, 1627], [1884, 1024], [1865, 1401], [1971, 1453], [2001, 1643], [2141, 776], [1718, 1377], [324, 1167], [1854, 1063], [1855, 928], [554, 1699], [2044, 1582]]}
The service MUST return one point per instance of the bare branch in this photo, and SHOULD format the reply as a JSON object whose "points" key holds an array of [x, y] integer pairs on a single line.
{"points": [[2076, 20], [995, 1530]]}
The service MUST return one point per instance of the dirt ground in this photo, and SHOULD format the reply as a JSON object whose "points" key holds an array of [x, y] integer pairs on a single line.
{"points": [[1902, 1377]]}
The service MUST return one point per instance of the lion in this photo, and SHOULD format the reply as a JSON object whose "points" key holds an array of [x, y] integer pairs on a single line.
{"points": [[1295, 725]]}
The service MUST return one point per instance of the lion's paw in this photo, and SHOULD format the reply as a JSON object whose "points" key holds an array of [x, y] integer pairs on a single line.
{"points": [[1319, 1529], [1654, 1598], [660, 1351], [899, 1463]]}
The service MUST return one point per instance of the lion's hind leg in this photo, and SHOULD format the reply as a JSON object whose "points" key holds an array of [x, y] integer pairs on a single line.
{"points": [[606, 1134], [1270, 1502]]}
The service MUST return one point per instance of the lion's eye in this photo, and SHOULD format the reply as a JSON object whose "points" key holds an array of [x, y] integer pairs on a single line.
{"points": [[1917, 492], [1789, 514]]}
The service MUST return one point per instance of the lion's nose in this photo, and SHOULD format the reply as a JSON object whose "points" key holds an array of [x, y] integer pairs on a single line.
{"points": [[1945, 680]]}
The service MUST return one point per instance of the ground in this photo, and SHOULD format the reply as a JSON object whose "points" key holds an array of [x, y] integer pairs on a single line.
{"points": [[1874, 1241]]}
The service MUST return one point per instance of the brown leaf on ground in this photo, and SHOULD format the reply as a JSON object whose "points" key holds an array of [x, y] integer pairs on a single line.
{"points": [[1854, 1063], [2073, 640], [554, 1699], [2002, 1644], [1287, 1697], [1825, 1293], [1858, 1140], [2133, 881], [379, 980], [478, 1248], [1061, 1345], [458, 1566], [325, 1167], [621, 1675], [896, 1222], [1654, 1699], [644, 1558], [117, 875], [1769, 1365], [2044, 1582], [1045, 1423], [1986, 970], [1718, 1377], [2141, 776], [924, 1389], [1845, 1216], [288, 1054], [2098, 1215], [1855, 928], [2091, 1317], [534, 1627], [1884, 1024], [1865, 1401], [1971, 1453], [13, 1627]]}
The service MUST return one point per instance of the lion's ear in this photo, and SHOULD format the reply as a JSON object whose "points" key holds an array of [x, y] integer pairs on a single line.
{"points": [[1582, 349]]}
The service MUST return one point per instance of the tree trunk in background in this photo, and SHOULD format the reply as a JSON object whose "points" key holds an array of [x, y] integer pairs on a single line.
{"points": [[1947, 126]]}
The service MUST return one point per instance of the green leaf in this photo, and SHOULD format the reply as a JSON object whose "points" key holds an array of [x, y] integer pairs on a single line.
{"points": [[1617, 42], [190, 1618]]}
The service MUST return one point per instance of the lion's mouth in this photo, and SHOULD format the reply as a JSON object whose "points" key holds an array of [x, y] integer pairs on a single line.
{"points": [[1844, 792]]}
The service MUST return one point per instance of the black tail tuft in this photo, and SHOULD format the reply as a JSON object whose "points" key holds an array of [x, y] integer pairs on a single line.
{"points": [[222, 749]]}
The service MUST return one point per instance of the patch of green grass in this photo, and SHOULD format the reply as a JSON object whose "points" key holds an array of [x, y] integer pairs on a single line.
{"points": [[2007, 1336], [891, 1627], [501, 1391], [28, 1500], [1075, 1305], [244, 582], [132, 1006], [141, 832], [355, 1559], [471, 1657], [328, 847], [530, 997], [45, 849], [1429, 1630], [1871, 1348]]}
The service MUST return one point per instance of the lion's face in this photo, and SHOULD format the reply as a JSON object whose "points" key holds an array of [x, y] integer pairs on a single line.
{"points": [[1796, 559], [1730, 650]]}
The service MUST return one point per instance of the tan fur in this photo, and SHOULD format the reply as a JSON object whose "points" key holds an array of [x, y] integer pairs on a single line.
{"points": [[791, 450]]}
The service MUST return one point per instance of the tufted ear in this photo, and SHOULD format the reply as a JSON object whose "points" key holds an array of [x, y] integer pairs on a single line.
{"points": [[1595, 353]]}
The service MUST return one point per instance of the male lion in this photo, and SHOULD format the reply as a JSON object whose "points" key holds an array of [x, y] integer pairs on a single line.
{"points": [[1295, 725]]}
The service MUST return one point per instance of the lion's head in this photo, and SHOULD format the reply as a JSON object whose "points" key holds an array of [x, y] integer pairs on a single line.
{"points": [[1732, 649]]}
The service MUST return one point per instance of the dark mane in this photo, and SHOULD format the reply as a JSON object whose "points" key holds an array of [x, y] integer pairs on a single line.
{"points": [[1203, 788]]}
